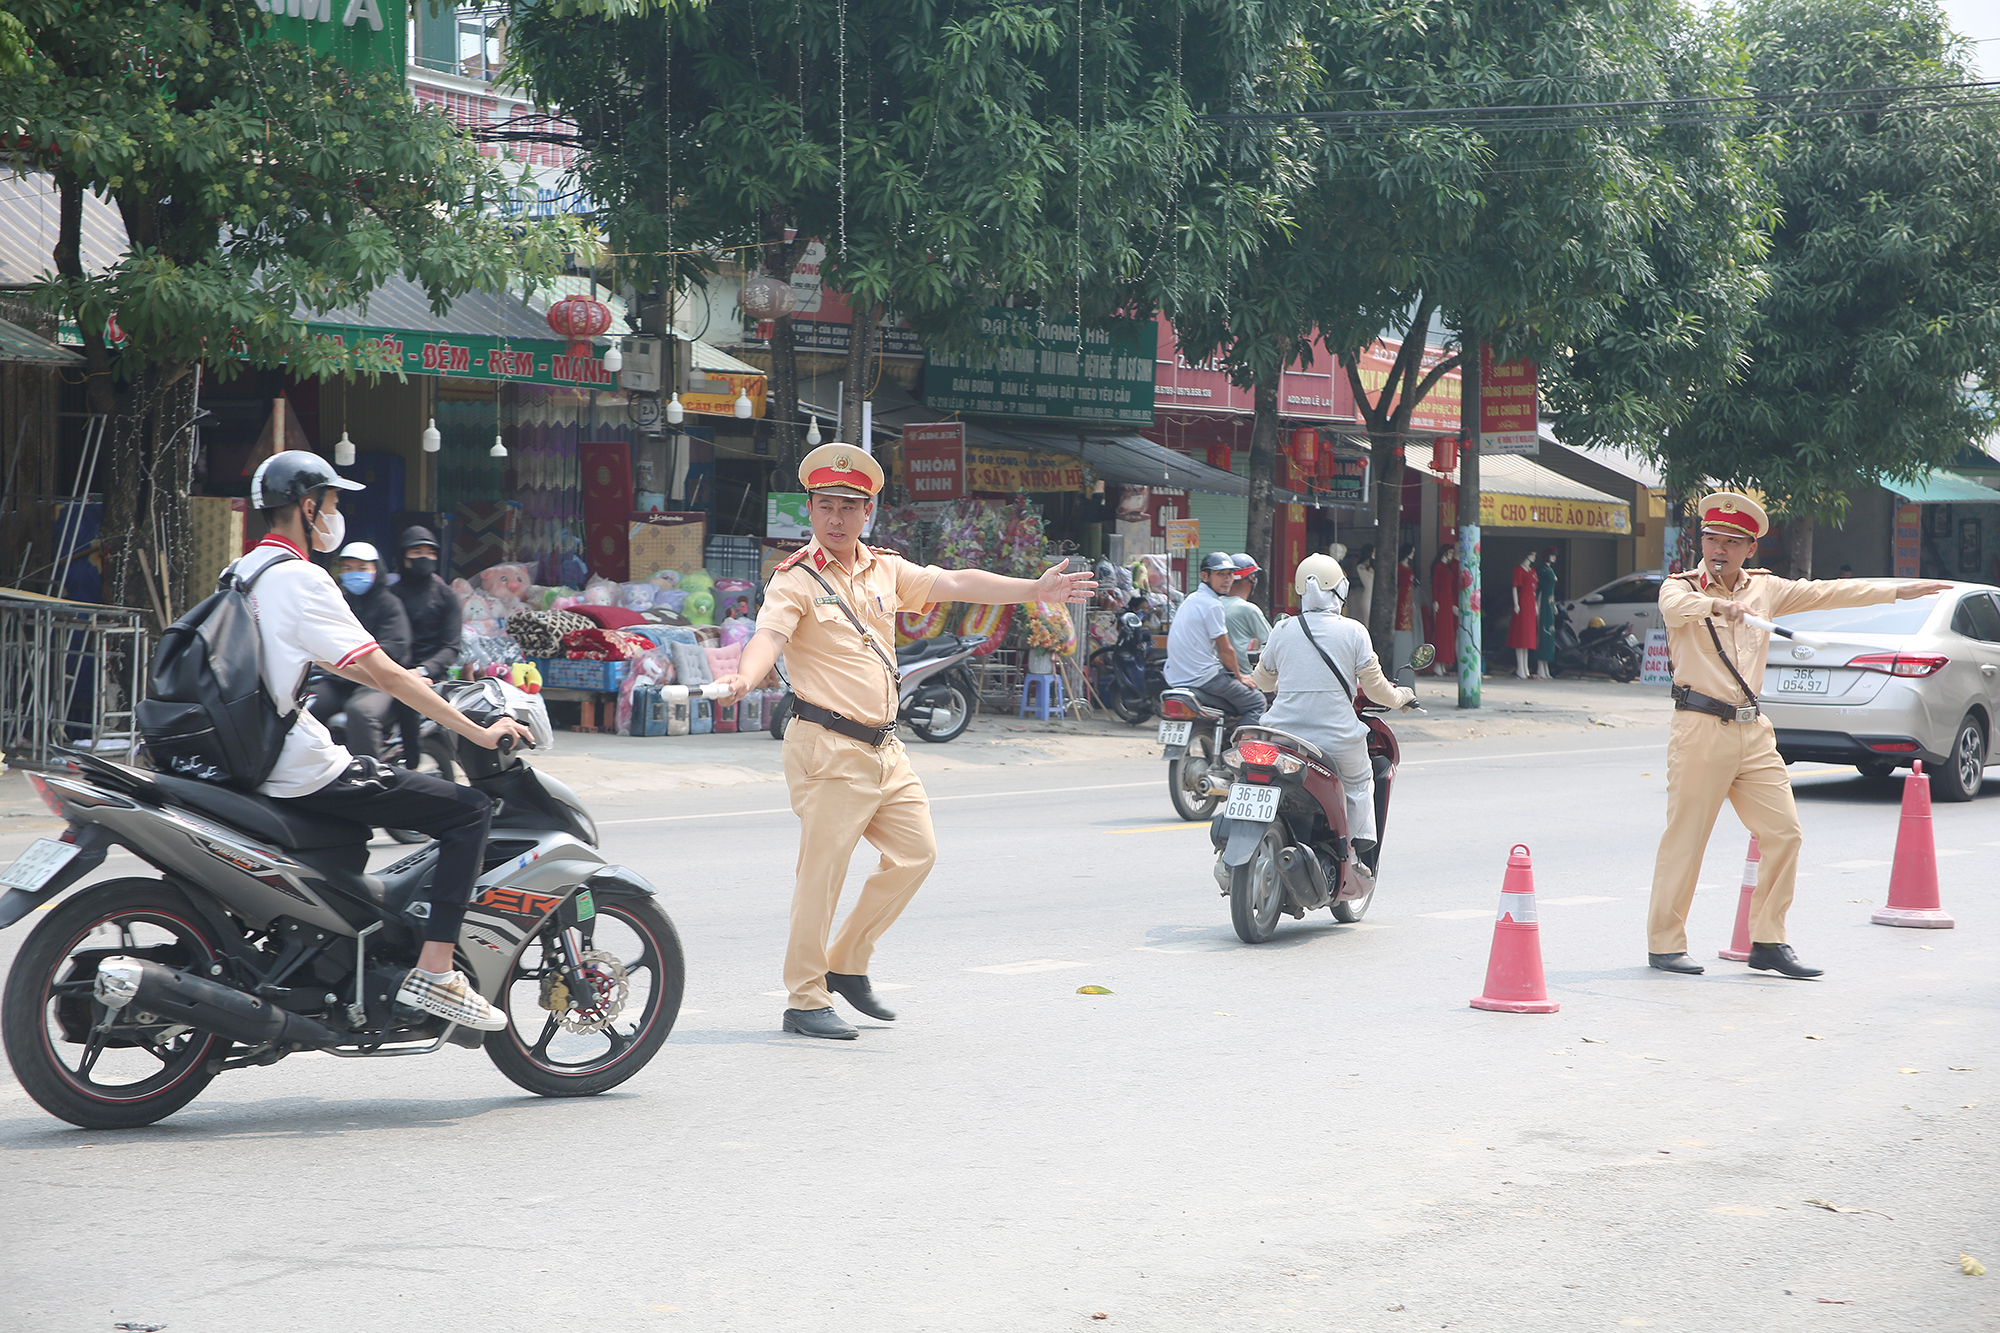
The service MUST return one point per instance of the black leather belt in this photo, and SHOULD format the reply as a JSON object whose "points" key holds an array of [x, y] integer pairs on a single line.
{"points": [[846, 726], [1693, 701]]}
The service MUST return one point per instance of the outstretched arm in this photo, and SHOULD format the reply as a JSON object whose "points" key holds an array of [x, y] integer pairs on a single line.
{"points": [[977, 585]]}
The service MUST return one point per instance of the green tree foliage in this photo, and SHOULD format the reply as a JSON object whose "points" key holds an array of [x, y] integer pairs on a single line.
{"points": [[994, 149], [259, 185], [1871, 355]]}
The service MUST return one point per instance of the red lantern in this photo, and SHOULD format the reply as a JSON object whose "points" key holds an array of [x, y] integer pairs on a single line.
{"points": [[579, 319], [1218, 456], [1305, 447], [1444, 455]]}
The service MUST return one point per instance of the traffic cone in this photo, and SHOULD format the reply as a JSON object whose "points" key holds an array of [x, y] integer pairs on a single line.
{"points": [[1913, 885], [1739, 944], [1514, 981]]}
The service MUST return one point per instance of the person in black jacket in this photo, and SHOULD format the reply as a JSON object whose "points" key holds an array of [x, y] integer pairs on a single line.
{"points": [[437, 621], [382, 615]]}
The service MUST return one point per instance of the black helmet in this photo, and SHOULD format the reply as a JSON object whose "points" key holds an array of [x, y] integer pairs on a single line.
{"points": [[1215, 560], [289, 477], [416, 537]]}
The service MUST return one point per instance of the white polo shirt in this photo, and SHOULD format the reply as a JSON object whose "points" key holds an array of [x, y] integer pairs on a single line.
{"points": [[302, 619]]}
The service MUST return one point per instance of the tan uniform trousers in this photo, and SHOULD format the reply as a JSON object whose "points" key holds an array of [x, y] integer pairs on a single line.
{"points": [[1709, 759], [842, 791]]}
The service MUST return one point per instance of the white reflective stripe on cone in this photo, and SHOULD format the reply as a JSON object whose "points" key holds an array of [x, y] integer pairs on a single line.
{"points": [[1520, 907]]}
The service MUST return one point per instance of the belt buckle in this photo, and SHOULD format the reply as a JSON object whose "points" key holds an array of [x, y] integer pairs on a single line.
{"points": [[1746, 712]]}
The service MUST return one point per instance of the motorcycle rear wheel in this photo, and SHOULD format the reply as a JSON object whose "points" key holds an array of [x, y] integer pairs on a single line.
{"points": [[1192, 768], [1257, 890], [1353, 909], [129, 1075], [556, 1062], [962, 696]]}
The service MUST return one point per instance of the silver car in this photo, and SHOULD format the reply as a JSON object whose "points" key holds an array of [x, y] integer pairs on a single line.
{"points": [[1632, 600], [1896, 683]]}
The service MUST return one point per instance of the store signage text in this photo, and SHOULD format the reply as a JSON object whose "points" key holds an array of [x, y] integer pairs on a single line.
{"points": [[321, 11], [576, 370], [1506, 406], [1005, 471], [446, 357], [1046, 369], [934, 461], [1526, 511]]}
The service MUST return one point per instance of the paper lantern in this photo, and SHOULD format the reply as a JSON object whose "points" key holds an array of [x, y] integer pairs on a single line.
{"points": [[1444, 455], [1305, 448], [579, 319], [767, 298]]}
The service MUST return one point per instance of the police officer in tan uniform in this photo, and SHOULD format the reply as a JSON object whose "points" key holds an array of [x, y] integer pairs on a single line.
{"points": [[1719, 744], [831, 608]]}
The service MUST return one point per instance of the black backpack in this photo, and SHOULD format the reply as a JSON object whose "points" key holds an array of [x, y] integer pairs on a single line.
{"points": [[207, 714]]}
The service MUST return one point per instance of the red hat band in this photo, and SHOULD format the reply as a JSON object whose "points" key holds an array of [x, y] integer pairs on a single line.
{"points": [[1739, 524], [852, 477]]}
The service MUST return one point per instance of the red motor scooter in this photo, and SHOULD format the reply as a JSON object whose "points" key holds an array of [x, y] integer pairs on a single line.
{"points": [[1281, 840]]}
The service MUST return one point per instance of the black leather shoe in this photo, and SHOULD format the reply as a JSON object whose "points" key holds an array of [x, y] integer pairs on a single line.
{"points": [[819, 1023], [1675, 962], [1780, 958], [857, 992]]}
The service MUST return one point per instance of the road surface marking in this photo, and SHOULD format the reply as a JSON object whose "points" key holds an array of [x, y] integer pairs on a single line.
{"points": [[1191, 946], [1460, 914], [1954, 851], [1159, 828], [963, 796], [1854, 865], [1577, 901], [1032, 965]]}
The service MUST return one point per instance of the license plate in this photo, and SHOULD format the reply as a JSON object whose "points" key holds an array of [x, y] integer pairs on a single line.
{"points": [[1175, 733], [1804, 680], [39, 864], [1248, 801]]}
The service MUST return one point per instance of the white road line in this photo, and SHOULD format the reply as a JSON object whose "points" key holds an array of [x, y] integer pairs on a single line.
{"points": [[1458, 914], [1576, 901], [1854, 865], [1032, 965], [1529, 754], [962, 796]]}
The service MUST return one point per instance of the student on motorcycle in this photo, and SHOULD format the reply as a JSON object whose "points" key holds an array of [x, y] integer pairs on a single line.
{"points": [[303, 620], [1200, 656], [1314, 661], [381, 614]]}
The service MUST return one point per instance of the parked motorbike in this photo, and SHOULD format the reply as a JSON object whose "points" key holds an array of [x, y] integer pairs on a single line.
{"points": [[935, 690], [1601, 650], [1281, 843], [263, 936], [1130, 675]]}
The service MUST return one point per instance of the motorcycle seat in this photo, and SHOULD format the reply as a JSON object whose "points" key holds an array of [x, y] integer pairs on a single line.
{"points": [[260, 816], [942, 645]]}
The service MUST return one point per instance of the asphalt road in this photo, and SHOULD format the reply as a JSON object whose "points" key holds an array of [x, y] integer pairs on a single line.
{"points": [[1317, 1133]]}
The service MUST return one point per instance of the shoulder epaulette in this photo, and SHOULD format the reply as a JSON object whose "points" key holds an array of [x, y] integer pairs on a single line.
{"points": [[791, 560], [1756, 571], [1691, 575]]}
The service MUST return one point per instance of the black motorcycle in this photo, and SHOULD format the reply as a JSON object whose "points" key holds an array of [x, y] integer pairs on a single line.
{"points": [[1130, 675], [1601, 650]]}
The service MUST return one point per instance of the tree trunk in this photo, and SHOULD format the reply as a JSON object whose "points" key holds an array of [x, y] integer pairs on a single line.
{"points": [[1799, 563], [1471, 649], [783, 419], [1263, 476], [861, 335], [1385, 470]]}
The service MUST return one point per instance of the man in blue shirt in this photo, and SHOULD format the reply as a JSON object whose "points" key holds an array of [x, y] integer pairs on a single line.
{"points": [[1200, 656]]}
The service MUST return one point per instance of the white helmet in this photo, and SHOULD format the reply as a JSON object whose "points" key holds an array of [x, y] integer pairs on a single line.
{"points": [[1320, 583]]}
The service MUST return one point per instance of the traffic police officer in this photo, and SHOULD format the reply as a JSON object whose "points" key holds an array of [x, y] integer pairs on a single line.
{"points": [[831, 608], [1719, 745]]}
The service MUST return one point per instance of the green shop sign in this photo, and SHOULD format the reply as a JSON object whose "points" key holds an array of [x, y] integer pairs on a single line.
{"points": [[366, 36], [467, 357], [1040, 368]]}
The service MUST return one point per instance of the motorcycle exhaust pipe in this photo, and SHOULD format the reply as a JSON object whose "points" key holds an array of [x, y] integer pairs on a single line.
{"points": [[938, 717], [1302, 873], [142, 985]]}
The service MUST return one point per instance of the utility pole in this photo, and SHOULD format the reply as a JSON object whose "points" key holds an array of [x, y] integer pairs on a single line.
{"points": [[1470, 662]]}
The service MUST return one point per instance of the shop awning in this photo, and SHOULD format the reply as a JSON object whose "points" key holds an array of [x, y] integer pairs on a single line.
{"points": [[29, 208], [1939, 487], [1130, 460], [1517, 492], [23, 347]]}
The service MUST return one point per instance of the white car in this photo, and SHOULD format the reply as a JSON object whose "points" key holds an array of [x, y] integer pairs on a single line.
{"points": [[1633, 600]]}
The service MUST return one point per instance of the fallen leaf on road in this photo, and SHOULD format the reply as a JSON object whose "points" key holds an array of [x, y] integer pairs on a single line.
{"points": [[1926, 948], [155, 1328], [1099, 1314], [1811, 1037], [1595, 1041], [1962, 1069], [1395, 1307], [1907, 1070], [1092, 990], [1970, 1266], [1840, 1208]]}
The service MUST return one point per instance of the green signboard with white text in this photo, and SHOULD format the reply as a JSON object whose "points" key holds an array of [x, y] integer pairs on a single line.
{"points": [[367, 36], [1040, 368]]}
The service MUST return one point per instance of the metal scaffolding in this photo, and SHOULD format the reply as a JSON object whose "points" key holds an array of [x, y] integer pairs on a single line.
{"points": [[71, 675]]}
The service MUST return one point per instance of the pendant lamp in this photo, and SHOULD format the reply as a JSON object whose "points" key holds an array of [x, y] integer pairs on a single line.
{"points": [[343, 451], [432, 440]]}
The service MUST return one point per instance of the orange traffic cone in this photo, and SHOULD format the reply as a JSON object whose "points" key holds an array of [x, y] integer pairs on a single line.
{"points": [[1514, 981], [1739, 944], [1913, 885]]}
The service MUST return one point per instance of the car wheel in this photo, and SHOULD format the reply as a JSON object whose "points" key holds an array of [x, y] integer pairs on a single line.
{"points": [[1958, 778]]}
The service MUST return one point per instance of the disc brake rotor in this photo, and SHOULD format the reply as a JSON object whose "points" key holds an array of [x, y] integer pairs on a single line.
{"points": [[610, 980]]}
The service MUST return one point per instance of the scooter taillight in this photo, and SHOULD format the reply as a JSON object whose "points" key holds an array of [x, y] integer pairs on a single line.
{"points": [[49, 798], [1262, 754], [1177, 710]]}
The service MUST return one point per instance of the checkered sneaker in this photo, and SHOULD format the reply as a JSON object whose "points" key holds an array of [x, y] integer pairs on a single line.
{"points": [[453, 999]]}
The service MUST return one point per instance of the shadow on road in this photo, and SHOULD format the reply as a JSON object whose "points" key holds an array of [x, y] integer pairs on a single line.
{"points": [[289, 1118]]}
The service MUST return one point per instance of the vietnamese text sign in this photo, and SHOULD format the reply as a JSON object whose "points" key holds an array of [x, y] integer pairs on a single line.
{"points": [[1183, 534], [1654, 667], [1041, 368], [785, 515], [934, 461], [460, 356], [1005, 471], [362, 35], [1506, 406], [1533, 511], [1909, 541]]}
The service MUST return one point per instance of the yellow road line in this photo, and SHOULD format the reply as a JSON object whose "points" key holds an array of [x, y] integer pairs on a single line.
{"points": [[1162, 828]]}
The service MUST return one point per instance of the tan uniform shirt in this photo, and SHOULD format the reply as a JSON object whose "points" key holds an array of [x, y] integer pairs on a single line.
{"points": [[1686, 599], [828, 662]]}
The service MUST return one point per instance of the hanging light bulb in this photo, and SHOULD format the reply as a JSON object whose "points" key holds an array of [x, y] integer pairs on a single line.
{"points": [[343, 451], [499, 449], [432, 440], [675, 412], [812, 433], [744, 407], [614, 360]]}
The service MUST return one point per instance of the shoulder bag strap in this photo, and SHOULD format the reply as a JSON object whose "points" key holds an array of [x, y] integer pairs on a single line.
{"points": [[1314, 641], [866, 637], [1748, 696], [244, 585]]}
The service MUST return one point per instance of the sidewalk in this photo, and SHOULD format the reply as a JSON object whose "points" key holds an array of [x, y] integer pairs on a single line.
{"points": [[601, 766]]}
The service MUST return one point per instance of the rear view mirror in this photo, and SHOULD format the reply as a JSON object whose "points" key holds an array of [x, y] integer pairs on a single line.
{"points": [[1592, 598], [1423, 657]]}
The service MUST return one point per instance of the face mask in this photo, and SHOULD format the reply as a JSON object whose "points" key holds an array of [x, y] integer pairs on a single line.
{"points": [[357, 581], [422, 567], [327, 539]]}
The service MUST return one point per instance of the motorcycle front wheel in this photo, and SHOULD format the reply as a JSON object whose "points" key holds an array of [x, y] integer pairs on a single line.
{"points": [[554, 1045], [1113, 690], [959, 706], [80, 1061], [1257, 891], [1188, 776]]}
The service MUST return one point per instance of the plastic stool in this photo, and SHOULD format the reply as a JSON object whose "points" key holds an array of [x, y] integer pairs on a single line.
{"points": [[1049, 695]]}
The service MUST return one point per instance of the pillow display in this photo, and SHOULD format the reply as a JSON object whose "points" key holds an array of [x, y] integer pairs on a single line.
{"points": [[691, 664], [611, 617]]}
